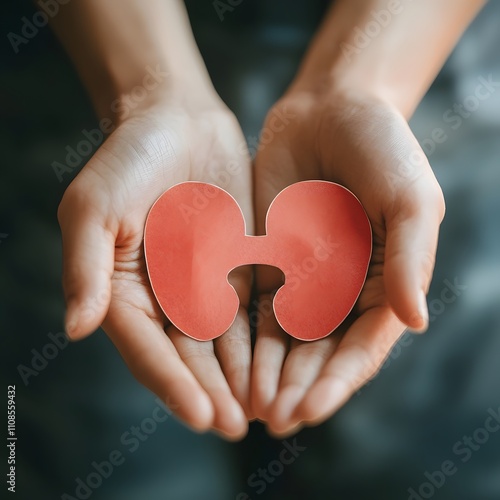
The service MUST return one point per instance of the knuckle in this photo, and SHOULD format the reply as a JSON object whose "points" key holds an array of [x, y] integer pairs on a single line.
{"points": [[419, 197]]}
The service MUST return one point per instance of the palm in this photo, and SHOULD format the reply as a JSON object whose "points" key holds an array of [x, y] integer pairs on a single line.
{"points": [[297, 382], [207, 383]]}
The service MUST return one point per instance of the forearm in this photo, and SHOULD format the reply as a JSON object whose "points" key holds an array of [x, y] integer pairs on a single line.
{"points": [[393, 48], [114, 44]]}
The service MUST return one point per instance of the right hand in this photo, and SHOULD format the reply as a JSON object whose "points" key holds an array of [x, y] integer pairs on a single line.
{"points": [[364, 143]]}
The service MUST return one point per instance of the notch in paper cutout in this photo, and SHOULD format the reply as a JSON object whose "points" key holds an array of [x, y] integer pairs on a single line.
{"points": [[317, 233]]}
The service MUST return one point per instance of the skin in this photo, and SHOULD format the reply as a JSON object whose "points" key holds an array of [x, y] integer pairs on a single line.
{"points": [[180, 131], [349, 126]]}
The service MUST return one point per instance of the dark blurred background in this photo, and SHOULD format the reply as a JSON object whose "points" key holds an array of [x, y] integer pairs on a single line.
{"points": [[434, 404]]}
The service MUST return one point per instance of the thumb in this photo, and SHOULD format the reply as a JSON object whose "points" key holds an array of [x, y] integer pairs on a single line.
{"points": [[412, 234], [88, 261]]}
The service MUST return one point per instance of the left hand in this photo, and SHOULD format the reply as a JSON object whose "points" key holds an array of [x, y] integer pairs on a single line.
{"points": [[363, 143], [102, 217]]}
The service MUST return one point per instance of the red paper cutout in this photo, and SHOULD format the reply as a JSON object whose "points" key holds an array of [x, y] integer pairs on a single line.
{"points": [[317, 233]]}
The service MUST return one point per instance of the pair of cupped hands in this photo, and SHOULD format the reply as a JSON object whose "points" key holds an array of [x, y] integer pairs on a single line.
{"points": [[356, 139]]}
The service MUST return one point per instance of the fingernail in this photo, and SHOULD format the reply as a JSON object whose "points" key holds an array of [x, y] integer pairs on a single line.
{"points": [[284, 433], [71, 327], [220, 434], [422, 316], [422, 308], [227, 436]]}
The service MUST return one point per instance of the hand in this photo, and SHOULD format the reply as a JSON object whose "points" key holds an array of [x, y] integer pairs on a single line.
{"points": [[102, 217], [365, 144]]}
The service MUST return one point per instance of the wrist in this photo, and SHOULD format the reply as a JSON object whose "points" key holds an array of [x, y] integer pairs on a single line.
{"points": [[327, 74], [153, 86], [131, 54], [389, 50]]}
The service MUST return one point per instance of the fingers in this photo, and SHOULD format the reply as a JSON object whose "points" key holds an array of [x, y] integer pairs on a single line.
{"points": [[302, 366], [155, 363], [199, 357], [412, 236], [275, 169], [271, 347], [234, 352], [88, 257], [356, 359], [384, 165]]}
